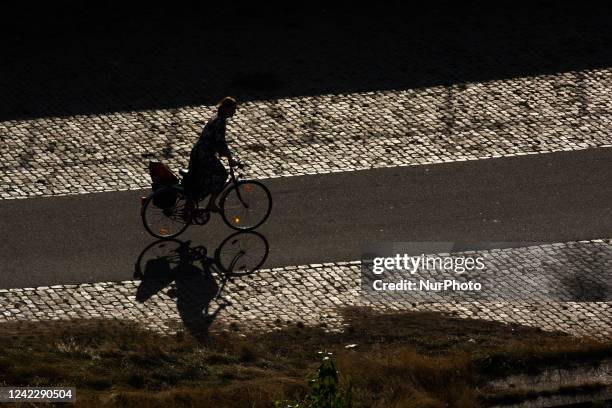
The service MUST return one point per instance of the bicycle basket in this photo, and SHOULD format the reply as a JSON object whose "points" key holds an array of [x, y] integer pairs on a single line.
{"points": [[162, 176], [165, 199]]}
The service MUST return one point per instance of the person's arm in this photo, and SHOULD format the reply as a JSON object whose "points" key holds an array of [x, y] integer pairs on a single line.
{"points": [[222, 147]]}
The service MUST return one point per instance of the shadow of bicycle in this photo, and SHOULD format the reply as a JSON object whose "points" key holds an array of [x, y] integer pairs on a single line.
{"points": [[195, 278]]}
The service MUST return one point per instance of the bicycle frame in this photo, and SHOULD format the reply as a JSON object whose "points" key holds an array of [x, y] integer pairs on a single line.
{"points": [[188, 209], [233, 180]]}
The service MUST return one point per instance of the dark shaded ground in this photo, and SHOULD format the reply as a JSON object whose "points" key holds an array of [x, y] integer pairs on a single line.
{"points": [[422, 360], [63, 58]]}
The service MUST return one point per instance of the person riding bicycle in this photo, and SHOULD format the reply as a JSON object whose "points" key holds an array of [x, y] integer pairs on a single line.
{"points": [[206, 173]]}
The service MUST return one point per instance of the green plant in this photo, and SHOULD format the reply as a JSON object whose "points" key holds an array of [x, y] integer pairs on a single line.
{"points": [[325, 389]]}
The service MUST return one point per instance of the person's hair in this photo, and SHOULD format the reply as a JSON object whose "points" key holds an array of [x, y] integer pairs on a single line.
{"points": [[227, 102]]}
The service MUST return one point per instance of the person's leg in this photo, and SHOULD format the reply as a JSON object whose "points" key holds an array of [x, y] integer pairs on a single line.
{"points": [[189, 185], [212, 203], [217, 178]]}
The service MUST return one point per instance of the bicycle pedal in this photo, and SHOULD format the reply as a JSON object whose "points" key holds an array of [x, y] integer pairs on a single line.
{"points": [[201, 217]]}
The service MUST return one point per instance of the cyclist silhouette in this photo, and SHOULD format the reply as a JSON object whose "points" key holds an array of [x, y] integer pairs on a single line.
{"points": [[206, 174], [244, 204]]}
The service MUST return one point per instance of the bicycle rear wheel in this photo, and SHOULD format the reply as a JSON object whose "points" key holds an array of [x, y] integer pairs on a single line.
{"points": [[169, 219], [246, 205]]}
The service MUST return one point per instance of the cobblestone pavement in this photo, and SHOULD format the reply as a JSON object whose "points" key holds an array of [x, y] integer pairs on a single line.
{"points": [[186, 296], [318, 134]]}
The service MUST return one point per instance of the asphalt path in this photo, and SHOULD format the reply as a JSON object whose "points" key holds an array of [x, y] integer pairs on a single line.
{"points": [[324, 218]]}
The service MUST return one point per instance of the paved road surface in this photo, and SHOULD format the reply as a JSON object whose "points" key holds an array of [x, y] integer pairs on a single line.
{"points": [[323, 218]]}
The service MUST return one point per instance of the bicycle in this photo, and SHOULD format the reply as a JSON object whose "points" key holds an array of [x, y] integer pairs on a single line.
{"points": [[168, 211]]}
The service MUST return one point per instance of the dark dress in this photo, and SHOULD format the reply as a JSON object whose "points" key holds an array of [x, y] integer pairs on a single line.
{"points": [[206, 171]]}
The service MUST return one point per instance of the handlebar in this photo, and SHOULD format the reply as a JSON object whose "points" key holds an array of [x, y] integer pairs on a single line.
{"points": [[231, 169], [238, 164]]}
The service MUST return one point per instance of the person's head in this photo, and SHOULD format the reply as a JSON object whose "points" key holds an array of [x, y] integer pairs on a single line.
{"points": [[226, 107]]}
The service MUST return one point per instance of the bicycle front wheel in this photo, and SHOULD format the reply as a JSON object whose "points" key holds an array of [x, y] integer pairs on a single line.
{"points": [[165, 214], [246, 205]]}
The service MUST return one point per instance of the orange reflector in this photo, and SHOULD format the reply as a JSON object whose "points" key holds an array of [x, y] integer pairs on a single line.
{"points": [[248, 188], [163, 231], [142, 200], [236, 220]]}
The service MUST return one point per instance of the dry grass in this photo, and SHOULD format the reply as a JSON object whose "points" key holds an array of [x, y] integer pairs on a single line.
{"points": [[401, 360]]}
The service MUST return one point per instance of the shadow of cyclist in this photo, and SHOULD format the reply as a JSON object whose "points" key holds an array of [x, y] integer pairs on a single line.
{"points": [[196, 280]]}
